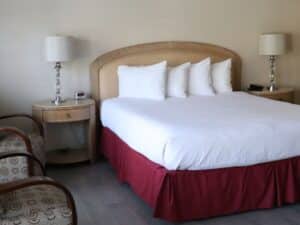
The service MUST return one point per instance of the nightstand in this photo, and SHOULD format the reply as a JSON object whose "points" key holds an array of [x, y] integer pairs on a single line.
{"points": [[281, 94], [68, 112]]}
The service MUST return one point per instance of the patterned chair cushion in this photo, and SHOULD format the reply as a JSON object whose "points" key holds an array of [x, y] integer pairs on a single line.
{"points": [[42, 205], [13, 143], [16, 167]]}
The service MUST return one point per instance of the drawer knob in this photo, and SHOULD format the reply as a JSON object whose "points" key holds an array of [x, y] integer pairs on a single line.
{"points": [[68, 115]]}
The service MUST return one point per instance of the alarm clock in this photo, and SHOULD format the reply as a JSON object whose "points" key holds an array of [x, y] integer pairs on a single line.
{"points": [[79, 95]]}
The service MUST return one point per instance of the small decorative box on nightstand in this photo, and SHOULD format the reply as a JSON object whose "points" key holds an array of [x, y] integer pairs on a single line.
{"points": [[67, 112], [281, 94]]}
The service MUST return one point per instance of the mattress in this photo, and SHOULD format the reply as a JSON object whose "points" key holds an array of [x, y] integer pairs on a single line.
{"points": [[206, 132]]}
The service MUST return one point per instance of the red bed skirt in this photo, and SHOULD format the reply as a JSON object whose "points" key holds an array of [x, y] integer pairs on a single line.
{"points": [[190, 195]]}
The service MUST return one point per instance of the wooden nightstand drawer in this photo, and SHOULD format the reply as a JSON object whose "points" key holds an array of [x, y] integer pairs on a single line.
{"points": [[56, 116], [286, 97], [281, 94]]}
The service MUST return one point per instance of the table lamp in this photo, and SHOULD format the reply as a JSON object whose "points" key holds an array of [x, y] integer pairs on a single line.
{"points": [[58, 50], [272, 45]]}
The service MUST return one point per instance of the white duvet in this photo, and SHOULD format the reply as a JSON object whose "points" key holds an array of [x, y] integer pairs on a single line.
{"points": [[208, 132]]}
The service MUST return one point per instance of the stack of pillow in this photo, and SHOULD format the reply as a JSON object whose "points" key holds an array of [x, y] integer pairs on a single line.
{"points": [[159, 81]]}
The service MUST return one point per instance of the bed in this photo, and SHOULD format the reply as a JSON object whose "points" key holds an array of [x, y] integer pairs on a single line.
{"points": [[242, 153]]}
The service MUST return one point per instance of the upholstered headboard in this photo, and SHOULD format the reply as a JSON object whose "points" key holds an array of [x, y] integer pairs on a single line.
{"points": [[103, 71]]}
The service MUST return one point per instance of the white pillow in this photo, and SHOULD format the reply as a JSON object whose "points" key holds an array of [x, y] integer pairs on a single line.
{"points": [[200, 82], [148, 82], [177, 80], [221, 76]]}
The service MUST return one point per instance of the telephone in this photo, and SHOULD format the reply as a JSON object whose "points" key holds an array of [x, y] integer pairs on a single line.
{"points": [[256, 87]]}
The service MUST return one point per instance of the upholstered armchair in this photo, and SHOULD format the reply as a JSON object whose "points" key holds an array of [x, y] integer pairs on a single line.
{"points": [[34, 200], [14, 139]]}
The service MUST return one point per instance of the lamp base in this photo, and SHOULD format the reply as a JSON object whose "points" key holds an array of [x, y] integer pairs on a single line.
{"points": [[58, 100], [272, 87]]}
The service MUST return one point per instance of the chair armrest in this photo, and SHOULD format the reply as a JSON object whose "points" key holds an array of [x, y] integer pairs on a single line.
{"points": [[29, 156], [37, 123], [20, 134], [19, 184]]}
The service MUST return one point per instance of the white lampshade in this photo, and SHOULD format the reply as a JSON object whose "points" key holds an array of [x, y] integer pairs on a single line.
{"points": [[58, 48], [272, 44]]}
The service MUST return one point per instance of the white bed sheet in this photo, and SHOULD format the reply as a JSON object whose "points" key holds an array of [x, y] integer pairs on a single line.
{"points": [[207, 132]]}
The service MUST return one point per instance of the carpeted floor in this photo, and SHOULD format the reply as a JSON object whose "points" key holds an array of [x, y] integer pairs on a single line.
{"points": [[102, 200]]}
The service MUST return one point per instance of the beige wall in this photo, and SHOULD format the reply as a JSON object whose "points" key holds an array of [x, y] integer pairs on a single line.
{"points": [[103, 25]]}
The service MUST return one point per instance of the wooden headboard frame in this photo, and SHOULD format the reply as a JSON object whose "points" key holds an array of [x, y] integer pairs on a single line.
{"points": [[103, 70]]}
